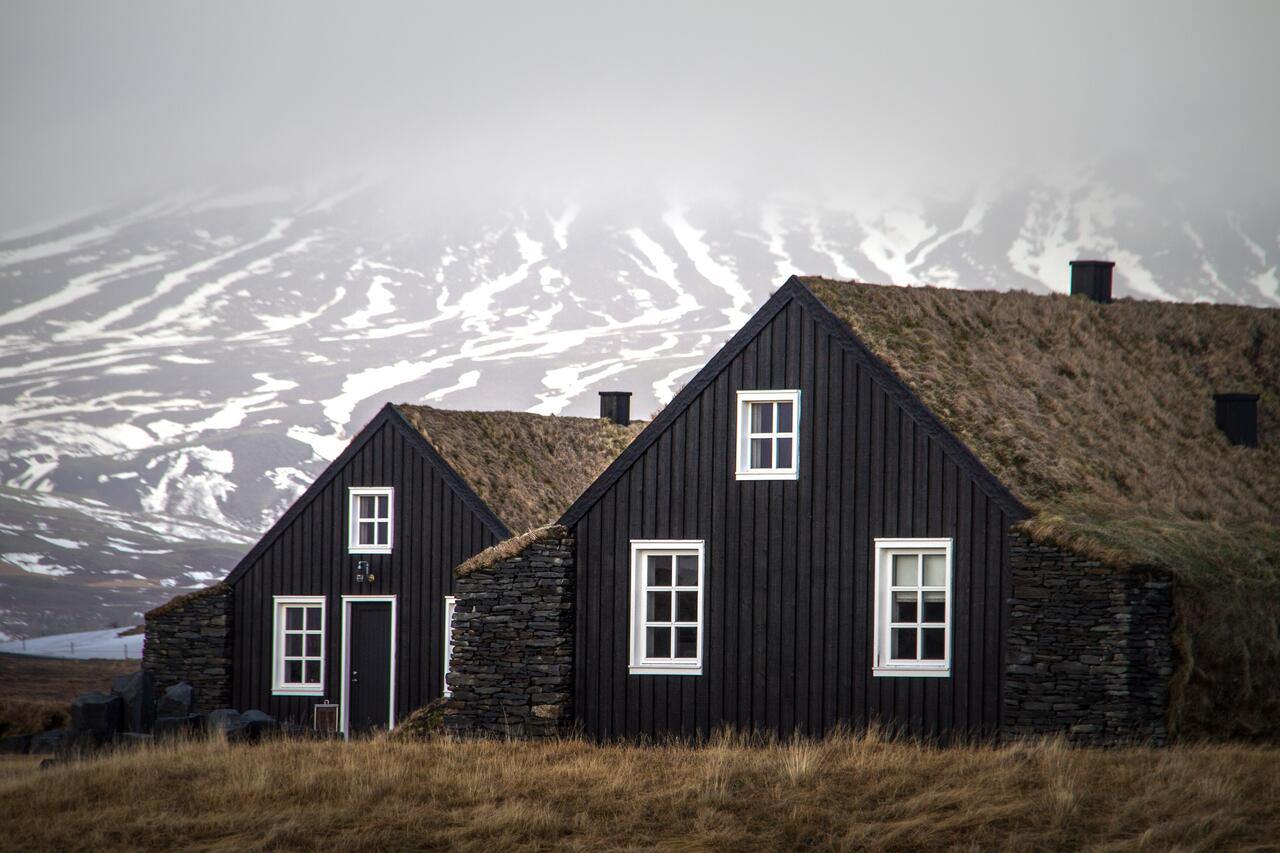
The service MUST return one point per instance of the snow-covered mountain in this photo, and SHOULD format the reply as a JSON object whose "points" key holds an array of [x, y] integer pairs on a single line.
{"points": [[173, 373]]}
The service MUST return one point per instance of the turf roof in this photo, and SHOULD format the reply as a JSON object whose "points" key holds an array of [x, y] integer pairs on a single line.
{"points": [[528, 468], [1065, 399]]}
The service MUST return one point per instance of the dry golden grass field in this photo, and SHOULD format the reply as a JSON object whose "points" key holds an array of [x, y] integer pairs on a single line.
{"points": [[35, 692], [841, 793]]}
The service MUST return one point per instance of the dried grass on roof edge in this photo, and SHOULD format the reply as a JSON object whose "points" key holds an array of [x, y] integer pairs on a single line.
{"points": [[508, 548]]}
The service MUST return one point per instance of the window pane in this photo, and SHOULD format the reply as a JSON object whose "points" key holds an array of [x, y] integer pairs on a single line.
{"points": [[313, 618], [313, 645], [686, 642], [935, 607], [659, 606], [761, 453], [660, 570], [658, 642], [686, 607], [904, 644], [313, 672], [383, 506], [904, 569], [687, 570], [762, 417], [784, 452], [366, 503], [293, 671], [935, 570], [384, 530], [293, 618], [293, 645], [365, 533], [934, 640], [784, 417], [904, 607]]}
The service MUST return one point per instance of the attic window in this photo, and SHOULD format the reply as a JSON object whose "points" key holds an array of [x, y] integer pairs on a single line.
{"points": [[913, 607], [768, 435], [371, 524]]}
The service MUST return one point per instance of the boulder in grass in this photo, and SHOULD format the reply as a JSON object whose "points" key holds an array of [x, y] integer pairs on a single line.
{"points": [[129, 740], [15, 744], [137, 694], [177, 701], [47, 743], [184, 725], [225, 720], [253, 725], [97, 714]]}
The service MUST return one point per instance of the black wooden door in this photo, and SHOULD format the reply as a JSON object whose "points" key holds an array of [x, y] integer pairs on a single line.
{"points": [[369, 681]]}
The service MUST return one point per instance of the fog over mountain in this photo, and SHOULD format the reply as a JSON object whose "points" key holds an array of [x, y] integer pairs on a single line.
{"points": [[230, 234]]}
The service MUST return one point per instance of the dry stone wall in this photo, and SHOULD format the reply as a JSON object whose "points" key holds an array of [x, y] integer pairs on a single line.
{"points": [[511, 671], [189, 640], [1090, 649]]}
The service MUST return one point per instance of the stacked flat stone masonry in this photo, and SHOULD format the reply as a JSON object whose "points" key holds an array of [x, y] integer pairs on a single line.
{"points": [[511, 669], [189, 639], [1090, 651]]}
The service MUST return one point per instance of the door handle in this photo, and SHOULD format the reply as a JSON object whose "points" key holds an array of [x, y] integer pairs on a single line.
{"points": [[355, 677]]}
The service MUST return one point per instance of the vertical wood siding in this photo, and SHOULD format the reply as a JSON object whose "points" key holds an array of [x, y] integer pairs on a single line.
{"points": [[789, 583], [434, 532]]}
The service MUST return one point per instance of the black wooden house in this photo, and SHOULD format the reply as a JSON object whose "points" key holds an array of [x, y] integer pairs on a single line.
{"points": [[942, 512], [950, 513], [345, 599]]}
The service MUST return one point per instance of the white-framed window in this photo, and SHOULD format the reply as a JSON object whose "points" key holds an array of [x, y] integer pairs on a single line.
{"points": [[370, 511], [768, 435], [913, 607], [298, 646], [667, 592], [450, 604]]}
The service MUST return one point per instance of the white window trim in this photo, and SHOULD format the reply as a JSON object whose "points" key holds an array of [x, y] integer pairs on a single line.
{"points": [[278, 685], [353, 519], [743, 470], [450, 604], [347, 601], [882, 666], [638, 664]]}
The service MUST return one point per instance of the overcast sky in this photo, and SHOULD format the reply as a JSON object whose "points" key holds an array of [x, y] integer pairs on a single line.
{"points": [[109, 99]]}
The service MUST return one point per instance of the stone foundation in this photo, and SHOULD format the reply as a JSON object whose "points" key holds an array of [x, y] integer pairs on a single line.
{"points": [[511, 671], [189, 639], [1090, 650]]}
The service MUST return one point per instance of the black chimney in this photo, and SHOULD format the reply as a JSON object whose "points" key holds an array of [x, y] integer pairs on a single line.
{"points": [[1237, 416], [616, 406], [1093, 279]]}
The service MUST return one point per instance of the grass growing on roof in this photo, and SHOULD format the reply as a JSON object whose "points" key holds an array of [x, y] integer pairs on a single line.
{"points": [[527, 468], [508, 548]]}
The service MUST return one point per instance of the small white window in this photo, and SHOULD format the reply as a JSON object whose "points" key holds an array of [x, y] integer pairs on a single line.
{"points": [[450, 603], [298, 646], [913, 607], [768, 435], [666, 607], [371, 513]]}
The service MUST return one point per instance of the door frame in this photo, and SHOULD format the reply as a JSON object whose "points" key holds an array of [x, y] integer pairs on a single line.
{"points": [[347, 601]]}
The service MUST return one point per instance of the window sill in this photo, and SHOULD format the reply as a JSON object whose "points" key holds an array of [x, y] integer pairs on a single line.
{"points": [[664, 669], [768, 475], [369, 550], [912, 671], [297, 691]]}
